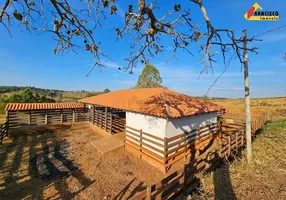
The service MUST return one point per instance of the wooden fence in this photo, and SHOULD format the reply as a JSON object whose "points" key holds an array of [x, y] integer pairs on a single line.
{"points": [[3, 131], [103, 118], [164, 152], [229, 142], [20, 119]]}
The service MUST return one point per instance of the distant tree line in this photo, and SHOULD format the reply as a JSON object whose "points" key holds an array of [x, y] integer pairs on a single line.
{"points": [[40, 91], [25, 96]]}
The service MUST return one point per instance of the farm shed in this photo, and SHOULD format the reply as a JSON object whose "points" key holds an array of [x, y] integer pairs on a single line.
{"points": [[22, 116], [161, 126]]}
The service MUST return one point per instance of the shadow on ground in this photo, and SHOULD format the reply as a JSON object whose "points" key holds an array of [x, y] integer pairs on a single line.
{"points": [[37, 164]]}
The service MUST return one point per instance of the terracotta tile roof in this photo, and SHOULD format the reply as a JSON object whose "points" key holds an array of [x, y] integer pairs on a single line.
{"points": [[41, 106], [154, 101]]}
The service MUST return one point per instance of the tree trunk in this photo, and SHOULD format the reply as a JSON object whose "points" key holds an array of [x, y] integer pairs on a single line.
{"points": [[247, 99]]}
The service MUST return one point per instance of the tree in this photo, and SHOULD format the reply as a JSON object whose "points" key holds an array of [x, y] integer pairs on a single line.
{"points": [[75, 22], [149, 78], [60, 100], [106, 90], [89, 94]]}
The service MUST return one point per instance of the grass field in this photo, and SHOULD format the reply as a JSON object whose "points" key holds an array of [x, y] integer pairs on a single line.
{"points": [[264, 178], [235, 108]]}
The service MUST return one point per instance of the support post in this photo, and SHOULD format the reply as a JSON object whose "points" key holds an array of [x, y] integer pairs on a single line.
{"points": [[236, 141], [229, 145], [140, 143], [148, 190], [46, 117], [185, 180], [29, 118], [165, 149], [73, 116], [106, 109], [111, 121], [247, 99], [101, 118], [62, 119], [92, 114], [7, 119], [220, 144]]}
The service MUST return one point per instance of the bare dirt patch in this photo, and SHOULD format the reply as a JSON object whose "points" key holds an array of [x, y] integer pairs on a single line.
{"points": [[55, 164]]}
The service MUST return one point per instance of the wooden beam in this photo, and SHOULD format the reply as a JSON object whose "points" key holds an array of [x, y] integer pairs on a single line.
{"points": [[148, 190], [29, 118], [111, 121], [73, 116], [92, 112], [62, 119], [46, 117], [106, 109]]}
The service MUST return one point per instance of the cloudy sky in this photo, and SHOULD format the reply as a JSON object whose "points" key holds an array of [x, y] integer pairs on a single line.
{"points": [[28, 59]]}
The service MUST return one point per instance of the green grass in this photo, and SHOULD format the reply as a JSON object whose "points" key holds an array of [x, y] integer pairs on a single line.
{"points": [[264, 177]]}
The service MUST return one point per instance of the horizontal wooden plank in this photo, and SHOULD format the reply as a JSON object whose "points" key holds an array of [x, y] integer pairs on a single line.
{"points": [[150, 135], [145, 144]]}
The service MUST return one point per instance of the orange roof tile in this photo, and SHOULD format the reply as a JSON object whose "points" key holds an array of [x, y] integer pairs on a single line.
{"points": [[41, 106], [154, 101]]}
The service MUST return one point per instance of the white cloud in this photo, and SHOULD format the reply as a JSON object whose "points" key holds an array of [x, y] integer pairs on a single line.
{"points": [[115, 74], [110, 64]]}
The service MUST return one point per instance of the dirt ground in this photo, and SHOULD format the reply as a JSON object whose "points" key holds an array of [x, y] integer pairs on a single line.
{"points": [[62, 164]]}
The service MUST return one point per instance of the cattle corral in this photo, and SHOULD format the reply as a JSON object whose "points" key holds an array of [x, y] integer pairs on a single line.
{"points": [[62, 162]]}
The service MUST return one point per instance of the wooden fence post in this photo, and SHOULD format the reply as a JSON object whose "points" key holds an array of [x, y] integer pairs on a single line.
{"points": [[229, 145], [46, 117], [141, 139], [73, 116], [29, 117], [220, 144], [92, 112], [106, 118], [148, 190], [236, 141], [185, 180], [101, 118], [7, 119], [165, 149], [111, 121], [62, 119]]}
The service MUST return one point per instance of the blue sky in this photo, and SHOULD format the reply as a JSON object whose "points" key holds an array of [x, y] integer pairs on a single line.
{"points": [[28, 59]]}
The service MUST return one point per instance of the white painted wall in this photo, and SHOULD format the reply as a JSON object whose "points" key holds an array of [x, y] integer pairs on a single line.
{"points": [[177, 126], [162, 127], [149, 124], [153, 125]]}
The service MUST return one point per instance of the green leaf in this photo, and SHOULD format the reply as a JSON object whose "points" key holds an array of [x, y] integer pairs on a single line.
{"points": [[55, 51], [17, 15], [177, 7], [130, 8], [113, 9], [105, 3], [77, 33]]}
